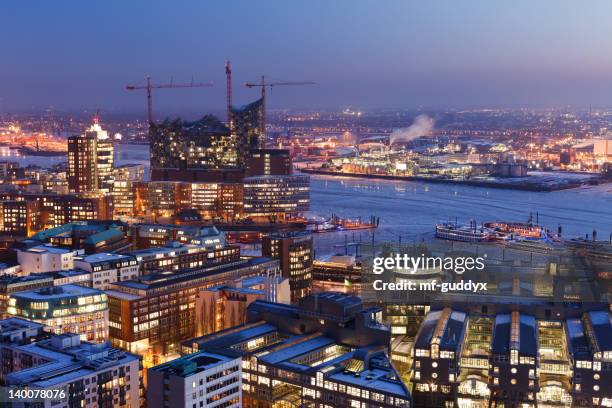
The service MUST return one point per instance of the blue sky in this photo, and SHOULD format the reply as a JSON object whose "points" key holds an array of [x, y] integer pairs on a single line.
{"points": [[370, 54]]}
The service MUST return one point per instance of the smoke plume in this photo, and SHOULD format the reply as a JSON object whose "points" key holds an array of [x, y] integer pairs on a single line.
{"points": [[421, 126]]}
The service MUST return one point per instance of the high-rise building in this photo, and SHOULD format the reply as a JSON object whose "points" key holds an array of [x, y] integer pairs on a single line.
{"points": [[203, 380], [247, 123], [83, 163], [105, 156], [295, 252], [203, 144], [329, 351], [64, 309], [81, 374]]}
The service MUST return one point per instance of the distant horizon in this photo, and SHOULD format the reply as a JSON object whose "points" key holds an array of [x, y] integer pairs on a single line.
{"points": [[74, 55], [136, 113]]}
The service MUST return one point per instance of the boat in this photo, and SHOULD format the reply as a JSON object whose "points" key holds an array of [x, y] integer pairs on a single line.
{"points": [[462, 233]]}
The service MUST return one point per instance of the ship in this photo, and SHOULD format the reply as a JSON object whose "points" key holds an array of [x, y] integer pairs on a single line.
{"points": [[463, 233]]}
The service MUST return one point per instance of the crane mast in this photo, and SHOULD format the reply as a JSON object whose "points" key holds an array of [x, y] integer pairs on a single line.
{"points": [[263, 84]]}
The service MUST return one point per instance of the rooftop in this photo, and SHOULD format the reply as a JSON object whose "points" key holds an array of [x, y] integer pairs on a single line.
{"points": [[104, 257], [192, 364], [47, 249], [447, 325], [57, 292], [67, 359]]}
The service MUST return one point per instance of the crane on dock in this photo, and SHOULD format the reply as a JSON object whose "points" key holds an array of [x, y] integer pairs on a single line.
{"points": [[149, 87]]}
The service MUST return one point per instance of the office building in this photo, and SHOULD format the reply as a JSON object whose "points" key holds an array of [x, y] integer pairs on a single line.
{"points": [[64, 309], [514, 360], [276, 197], [221, 307], [87, 375], [45, 258], [201, 380], [151, 314], [338, 273], [329, 351], [126, 177], [107, 268], [70, 277], [295, 252], [169, 198]]}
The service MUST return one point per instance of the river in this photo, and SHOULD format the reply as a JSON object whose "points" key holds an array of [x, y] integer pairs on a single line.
{"points": [[411, 209]]}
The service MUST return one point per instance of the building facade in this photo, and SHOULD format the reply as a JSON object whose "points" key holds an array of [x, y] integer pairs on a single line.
{"points": [[153, 313], [82, 163], [203, 380], [206, 143], [276, 197], [106, 268]]}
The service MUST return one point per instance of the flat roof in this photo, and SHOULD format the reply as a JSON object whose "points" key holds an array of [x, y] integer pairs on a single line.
{"points": [[57, 292], [192, 364], [104, 257], [41, 249], [67, 364]]}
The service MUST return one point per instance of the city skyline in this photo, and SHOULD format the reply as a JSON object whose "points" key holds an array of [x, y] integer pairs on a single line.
{"points": [[405, 55]]}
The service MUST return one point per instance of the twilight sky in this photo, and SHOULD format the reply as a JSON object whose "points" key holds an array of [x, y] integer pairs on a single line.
{"points": [[74, 54]]}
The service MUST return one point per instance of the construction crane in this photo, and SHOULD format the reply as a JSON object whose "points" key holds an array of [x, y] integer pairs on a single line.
{"points": [[263, 84], [228, 84], [149, 87]]}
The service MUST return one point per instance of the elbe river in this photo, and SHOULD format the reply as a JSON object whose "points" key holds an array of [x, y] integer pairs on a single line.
{"points": [[411, 209]]}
